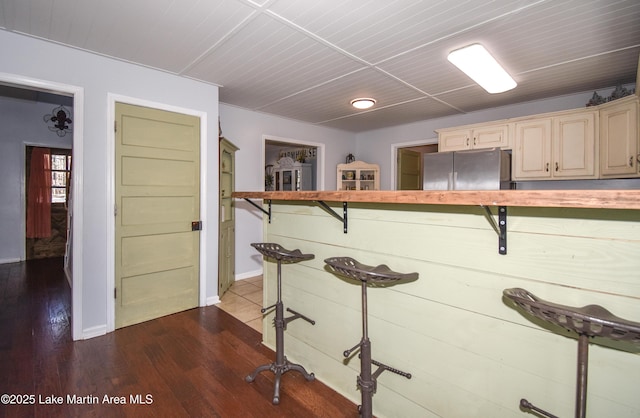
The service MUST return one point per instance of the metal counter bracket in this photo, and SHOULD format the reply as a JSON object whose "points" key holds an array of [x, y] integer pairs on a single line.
{"points": [[261, 208], [500, 227], [331, 212]]}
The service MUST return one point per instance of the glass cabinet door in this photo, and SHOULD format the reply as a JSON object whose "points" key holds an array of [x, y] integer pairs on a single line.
{"points": [[286, 180]]}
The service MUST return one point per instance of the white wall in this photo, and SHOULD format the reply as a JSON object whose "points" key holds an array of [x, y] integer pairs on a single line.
{"points": [[246, 129], [21, 124], [375, 146], [98, 76]]}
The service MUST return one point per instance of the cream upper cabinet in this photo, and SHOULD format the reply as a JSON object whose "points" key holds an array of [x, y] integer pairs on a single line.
{"points": [[619, 148], [481, 136], [532, 152], [574, 145], [556, 147]]}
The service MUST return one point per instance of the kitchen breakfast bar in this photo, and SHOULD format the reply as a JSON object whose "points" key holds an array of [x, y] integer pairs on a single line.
{"points": [[470, 351]]}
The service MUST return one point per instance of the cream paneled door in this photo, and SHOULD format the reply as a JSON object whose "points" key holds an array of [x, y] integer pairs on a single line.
{"points": [[157, 198]]}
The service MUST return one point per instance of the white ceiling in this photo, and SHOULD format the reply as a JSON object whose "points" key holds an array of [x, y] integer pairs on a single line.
{"points": [[306, 60]]}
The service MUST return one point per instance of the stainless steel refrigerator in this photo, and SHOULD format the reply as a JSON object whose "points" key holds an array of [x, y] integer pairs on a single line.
{"points": [[484, 169]]}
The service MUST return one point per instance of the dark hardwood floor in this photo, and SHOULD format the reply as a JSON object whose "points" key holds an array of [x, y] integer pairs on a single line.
{"points": [[191, 364]]}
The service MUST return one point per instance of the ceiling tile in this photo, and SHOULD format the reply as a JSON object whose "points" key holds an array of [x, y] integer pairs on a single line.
{"points": [[376, 30], [267, 62], [333, 100], [414, 111]]}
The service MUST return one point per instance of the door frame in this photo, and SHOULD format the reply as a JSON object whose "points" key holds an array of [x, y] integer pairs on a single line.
{"points": [[78, 174], [295, 142], [112, 99], [394, 156]]}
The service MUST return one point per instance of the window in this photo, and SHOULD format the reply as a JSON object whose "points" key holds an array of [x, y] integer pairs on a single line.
{"points": [[60, 175], [60, 167]]}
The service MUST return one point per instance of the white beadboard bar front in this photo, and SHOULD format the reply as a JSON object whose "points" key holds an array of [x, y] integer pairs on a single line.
{"points": [[470, 353]]}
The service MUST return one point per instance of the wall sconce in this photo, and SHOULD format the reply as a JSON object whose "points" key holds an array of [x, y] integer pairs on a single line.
{"points": [[60, 118]]}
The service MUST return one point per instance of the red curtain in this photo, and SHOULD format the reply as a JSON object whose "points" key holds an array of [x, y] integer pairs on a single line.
{"points": [[39, 194]]}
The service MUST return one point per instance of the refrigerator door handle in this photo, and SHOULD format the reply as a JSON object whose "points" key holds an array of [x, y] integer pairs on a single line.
{"points": [[450, 181], [455, 180]]}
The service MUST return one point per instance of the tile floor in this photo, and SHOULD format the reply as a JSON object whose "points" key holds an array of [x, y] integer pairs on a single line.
{"points": [[243, 300]]}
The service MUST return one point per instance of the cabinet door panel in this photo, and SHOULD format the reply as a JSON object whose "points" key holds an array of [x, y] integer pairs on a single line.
{"points": [[533, 150], [491, 136], [574, 145], [619, 140], [454, 140]]}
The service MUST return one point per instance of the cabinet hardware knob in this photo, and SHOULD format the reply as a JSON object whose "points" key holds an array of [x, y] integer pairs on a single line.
{"points": [[474, 140], [557, 166], [631, 161], [467, 141], [547, 168]]}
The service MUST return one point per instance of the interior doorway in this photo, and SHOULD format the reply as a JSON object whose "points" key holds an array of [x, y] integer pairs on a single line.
{"points": [[27, 115], [407, 163], [284, 157], [73, 260], [51, 243]]}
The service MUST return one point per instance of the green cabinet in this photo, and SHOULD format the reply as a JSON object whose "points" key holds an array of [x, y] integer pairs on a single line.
{"points": [[226, 224]]}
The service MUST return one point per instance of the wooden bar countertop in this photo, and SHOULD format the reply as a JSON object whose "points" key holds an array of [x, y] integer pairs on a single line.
{"points": [[600, 199]]}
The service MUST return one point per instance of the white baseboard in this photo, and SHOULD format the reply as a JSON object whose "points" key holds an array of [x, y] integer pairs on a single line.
{"points": [[93, 332], [10, 260], [248, 274], [213, 300]]}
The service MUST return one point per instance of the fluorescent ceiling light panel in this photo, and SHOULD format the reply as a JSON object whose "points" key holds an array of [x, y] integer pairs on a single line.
{"points": [[476, 62]]}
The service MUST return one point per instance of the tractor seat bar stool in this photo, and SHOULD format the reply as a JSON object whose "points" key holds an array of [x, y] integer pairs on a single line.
{"points": [[281, 365], [587, 321], [377, 275]]}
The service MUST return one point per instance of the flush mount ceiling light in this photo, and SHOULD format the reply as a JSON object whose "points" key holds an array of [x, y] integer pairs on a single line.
{"points": [[476, 62], [363, 103]]}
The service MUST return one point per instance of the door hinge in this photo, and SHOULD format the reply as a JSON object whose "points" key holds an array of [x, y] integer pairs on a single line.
{"points": [[196, 226], [115, 209], [115, 293], [115, 126]]}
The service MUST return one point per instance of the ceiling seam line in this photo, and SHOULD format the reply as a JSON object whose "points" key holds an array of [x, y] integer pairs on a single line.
{"points": [[100, 54], [385, 107], [579, 59], [458, 32], [252, 16], [258, 10], [372, 110], [324, 83], [318, 38]]}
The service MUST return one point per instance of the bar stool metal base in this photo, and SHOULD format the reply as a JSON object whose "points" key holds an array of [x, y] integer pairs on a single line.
{"points": [[281, 365], [367, 381]]}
